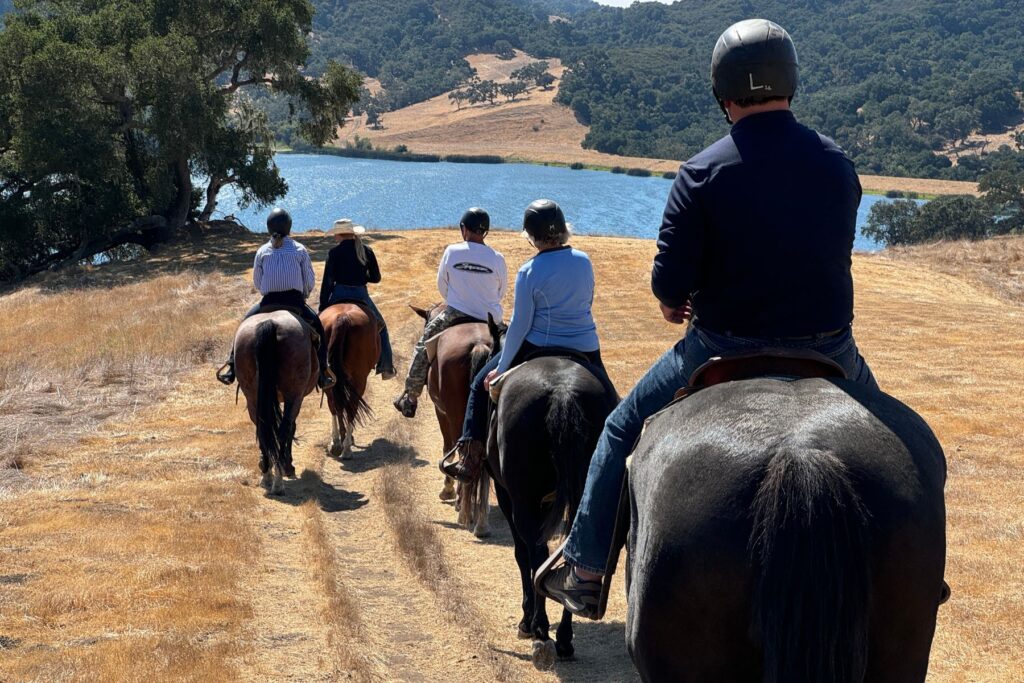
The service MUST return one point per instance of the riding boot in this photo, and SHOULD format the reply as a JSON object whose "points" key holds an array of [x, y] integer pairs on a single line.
{"points": [[406, 404], [226, 374], [471, 459]]}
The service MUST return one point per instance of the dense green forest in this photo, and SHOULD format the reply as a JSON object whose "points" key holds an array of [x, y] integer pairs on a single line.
{"points": [[892, 82]]}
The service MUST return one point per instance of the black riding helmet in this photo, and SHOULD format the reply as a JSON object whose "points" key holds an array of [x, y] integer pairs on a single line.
{"points": [[544, 221], [754, 60], [475, 220], [279, 222]]}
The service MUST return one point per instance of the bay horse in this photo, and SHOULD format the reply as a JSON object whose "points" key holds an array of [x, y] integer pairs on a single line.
{"points": [[785, 531], [353, 346], [546, 424], [461, 352], [275, 363]]}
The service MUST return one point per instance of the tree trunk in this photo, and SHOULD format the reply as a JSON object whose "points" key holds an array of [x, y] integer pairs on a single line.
{"points": [[212, 190], [182, 200]]}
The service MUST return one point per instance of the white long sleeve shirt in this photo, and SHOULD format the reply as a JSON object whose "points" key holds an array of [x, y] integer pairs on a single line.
{"points": [[473, 278], [285, 268]]}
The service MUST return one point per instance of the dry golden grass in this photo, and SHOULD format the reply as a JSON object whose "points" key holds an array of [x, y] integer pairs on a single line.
{"points": [[132, 547], [997, 264], [534, 128]]}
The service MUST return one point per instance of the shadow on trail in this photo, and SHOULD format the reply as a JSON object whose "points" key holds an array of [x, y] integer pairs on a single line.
{"points": [[500, 533], [380, 453], [309, 486]]}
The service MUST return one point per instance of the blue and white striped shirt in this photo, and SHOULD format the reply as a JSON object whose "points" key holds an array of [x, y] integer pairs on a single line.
{"points": [[285, 268]]}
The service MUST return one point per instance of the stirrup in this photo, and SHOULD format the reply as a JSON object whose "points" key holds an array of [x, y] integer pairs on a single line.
{"points": [[447, 458], [226, 374], [557, 559]]}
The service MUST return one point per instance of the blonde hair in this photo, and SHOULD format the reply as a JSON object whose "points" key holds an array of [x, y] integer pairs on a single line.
{"points": [[360, 247]]}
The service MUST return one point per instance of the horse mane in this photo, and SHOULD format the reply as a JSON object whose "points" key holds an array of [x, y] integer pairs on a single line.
{"points": [[809, 542]]}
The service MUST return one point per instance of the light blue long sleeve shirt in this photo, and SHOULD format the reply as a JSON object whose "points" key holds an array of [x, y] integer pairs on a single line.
{"points": [[553, 297]]}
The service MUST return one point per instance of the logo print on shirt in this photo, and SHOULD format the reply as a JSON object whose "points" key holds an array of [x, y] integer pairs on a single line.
{"points": [[472, 267]]}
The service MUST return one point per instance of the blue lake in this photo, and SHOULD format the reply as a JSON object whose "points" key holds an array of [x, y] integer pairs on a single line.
{"points": [[390, 195]]}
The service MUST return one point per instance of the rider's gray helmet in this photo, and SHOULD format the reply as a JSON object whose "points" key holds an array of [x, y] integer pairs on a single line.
{"points": [[279, 222], [754, 60]]}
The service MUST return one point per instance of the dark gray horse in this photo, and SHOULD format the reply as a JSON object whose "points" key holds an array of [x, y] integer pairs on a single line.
{"points": [[548, 418], [786, 531]]}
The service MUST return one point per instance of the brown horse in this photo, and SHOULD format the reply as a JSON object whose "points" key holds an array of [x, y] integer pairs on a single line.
{"points": [[353, 345], [460, 353], [275, 363]]}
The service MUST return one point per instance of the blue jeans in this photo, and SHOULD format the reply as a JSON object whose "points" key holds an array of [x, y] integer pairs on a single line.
{"points": [[386, 361], [590, 540]]}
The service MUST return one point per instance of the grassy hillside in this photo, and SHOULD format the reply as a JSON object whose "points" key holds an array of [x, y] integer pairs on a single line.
{"points": [[133, 537], [895, 84]]}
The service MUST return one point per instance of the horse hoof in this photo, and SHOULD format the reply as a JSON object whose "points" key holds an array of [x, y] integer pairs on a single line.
{"points": [[566, 653], [544, 655], [482, 533], [335, 450], [523, 633], [346, 454], [277, 488], [266, 480], [447, 494]]}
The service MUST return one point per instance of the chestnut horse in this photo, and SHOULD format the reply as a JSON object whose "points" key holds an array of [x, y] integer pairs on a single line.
{"points": [[461, 352], [275, 363], [353, 345]]}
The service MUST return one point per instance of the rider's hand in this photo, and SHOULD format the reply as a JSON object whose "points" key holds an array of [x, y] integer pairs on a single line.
{"points": [[490, 378], [677, 316]]}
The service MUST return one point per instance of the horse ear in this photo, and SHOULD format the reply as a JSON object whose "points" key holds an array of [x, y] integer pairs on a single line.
{"points": [[419, 311], [494, 328]]}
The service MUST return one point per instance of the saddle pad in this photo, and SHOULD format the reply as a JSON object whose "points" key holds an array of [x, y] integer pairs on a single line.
{"points": [[313, 336]]}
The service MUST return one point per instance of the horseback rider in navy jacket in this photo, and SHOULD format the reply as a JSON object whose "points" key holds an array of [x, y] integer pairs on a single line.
{"points": [[755, 246]]}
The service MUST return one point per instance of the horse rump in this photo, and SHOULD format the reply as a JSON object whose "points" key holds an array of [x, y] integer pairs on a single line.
{"points": [[809, 548], [268, 410]]}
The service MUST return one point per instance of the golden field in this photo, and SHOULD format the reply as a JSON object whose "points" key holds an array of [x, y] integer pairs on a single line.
{"points": [[534, 128], [136, 544]]}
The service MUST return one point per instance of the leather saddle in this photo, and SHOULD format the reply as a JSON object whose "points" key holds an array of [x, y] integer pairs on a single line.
{"points": [[542, 352], [780, 362]]}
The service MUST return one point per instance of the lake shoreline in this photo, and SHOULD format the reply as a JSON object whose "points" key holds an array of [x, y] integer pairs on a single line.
{"points": [[891, 187]]}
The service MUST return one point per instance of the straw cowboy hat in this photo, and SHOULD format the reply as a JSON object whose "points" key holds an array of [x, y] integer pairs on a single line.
{"points": [[345, 226]]}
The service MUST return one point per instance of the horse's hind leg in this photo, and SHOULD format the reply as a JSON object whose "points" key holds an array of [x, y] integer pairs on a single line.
{"points": [[481, 506], [335, 435]]}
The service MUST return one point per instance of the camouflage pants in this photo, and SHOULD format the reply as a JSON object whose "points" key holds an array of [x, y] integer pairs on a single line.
{"points": [[420, 365]]}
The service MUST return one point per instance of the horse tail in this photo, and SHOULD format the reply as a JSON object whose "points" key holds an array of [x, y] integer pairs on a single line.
{"points": [[349, 403], [810, 543], [268, 410], [569, 428], [478, 357]]}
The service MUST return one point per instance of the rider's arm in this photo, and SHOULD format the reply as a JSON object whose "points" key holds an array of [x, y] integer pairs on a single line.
{"points": [[372, 269], [327, 284], [442, 276], [676, 270], [257, 271], [521, 322], [308, 277]]}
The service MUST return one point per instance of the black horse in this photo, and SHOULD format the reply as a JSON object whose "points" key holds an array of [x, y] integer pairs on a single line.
{"points": [[547, 421], [786, 531]]}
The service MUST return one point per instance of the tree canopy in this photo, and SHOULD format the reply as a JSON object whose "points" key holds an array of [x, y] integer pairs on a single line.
{"points": [[110, 110]]}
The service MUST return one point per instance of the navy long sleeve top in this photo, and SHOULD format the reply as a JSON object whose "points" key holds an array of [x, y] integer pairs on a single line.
{"points": [[758, 232]]}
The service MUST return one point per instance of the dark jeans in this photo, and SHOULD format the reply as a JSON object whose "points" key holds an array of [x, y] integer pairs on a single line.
{"points": [[386, 362], [590, 540], [293, 299], [474, 425]]}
